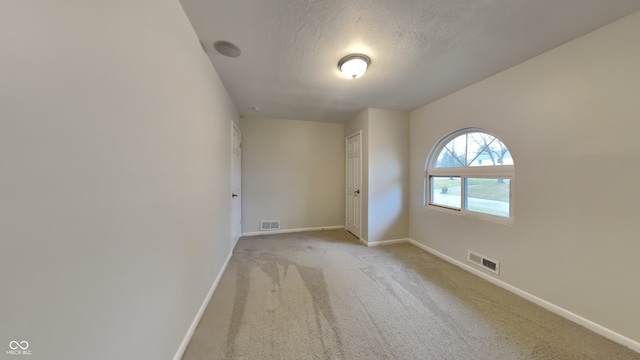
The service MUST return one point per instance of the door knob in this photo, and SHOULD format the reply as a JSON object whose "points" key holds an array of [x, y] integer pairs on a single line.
{"points": [[234, 195], [357, 192]]}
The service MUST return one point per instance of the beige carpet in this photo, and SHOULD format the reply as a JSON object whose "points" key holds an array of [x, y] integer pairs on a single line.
{"points": [[323, 295]]}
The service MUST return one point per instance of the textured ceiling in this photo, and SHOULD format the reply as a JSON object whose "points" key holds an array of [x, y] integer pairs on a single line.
{"points": [[421, 50]]}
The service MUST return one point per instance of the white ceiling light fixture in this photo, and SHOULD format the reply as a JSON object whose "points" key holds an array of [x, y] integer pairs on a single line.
{"points": [[353, 66]]}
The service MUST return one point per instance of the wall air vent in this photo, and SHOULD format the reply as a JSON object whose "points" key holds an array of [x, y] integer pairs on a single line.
{"points": [[482, 261], [269, 225]]}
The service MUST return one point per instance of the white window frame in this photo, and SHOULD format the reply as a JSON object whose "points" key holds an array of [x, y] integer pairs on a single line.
{"points": [[486, 172]]}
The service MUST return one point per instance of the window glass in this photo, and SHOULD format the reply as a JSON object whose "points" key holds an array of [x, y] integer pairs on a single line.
{"points": [[447, 158], [488, 196], [445, 191], [473, 149]]}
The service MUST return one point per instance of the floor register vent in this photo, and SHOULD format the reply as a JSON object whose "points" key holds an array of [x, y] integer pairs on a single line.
{"points": [[269, 225], [480, 260]]}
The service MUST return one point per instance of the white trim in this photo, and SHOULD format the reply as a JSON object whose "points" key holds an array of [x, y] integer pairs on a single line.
{"points": [[598, 329], [386, 242], [205, 303], [284, 231], [363, 241]]}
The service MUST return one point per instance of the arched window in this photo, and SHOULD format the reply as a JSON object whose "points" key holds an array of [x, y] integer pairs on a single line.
{"points": [[471, 172]]}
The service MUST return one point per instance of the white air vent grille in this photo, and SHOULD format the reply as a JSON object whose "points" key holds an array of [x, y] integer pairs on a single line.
{"points": [[269, 225], [486, 263]]}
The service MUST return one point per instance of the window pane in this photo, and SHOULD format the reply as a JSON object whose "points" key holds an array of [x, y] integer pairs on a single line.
{"points": [[505, 156], [448, 160], [488, 196], [489, 151], [445, 191], [477, 145]]}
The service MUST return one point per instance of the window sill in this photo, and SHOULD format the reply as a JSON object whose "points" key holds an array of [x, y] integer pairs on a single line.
{"points": [[472, 214]]}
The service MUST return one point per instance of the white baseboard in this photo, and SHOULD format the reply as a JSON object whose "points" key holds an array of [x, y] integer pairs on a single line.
{"points": [[386, 242], [205, 303], [598, 329], [285, 231]]}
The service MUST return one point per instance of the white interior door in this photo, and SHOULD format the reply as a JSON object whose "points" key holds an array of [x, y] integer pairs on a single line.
{"points": [[353, 181], [236, 186]]}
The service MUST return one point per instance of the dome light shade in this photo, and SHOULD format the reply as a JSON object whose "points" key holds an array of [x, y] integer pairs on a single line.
{"points": [[353, 66]]}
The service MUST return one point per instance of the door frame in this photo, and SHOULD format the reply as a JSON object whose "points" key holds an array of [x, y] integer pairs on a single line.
{"points": [[346, 183], [234, 239]]}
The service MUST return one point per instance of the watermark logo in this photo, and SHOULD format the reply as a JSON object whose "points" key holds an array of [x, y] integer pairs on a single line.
{"points": [[23, 345], [18, 348]]}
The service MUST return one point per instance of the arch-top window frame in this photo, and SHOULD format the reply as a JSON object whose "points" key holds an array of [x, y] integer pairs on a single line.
{"points": [[468, 170]]}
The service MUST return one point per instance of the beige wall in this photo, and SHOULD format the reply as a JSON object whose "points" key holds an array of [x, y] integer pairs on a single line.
{"points": [[570, 119], [292, 171], [388, 194], [385, 173], [114, 150]]}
